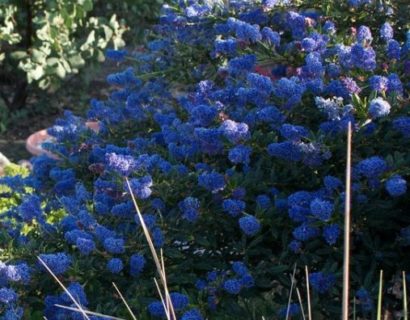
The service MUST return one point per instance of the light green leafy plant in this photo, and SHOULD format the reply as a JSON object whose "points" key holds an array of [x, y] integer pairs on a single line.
{"points": [[43, 42]]}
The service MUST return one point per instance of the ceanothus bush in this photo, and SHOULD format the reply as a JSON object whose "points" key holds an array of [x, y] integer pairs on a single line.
{"points": [[231, 129]]}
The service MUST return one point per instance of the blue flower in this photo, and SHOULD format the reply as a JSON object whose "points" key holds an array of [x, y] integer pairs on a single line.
{"points": [[232, 286], [189, 207], [292, 310], [213, 181], [209, 140], [396, 186], [321, 209], [332, 183], [226, 47], [378, 83], [287, 150], [365, 300], [233, 207], [203, 115], [124, 79], [249, 225], [77, 291], [247, 281], [295, 246], [293, 132], [141, 187], [289, 90], [271, 36], [244, 31], [363, 57], [114, 246], [386, 31], [192, 314], [86, 246], [240, 154], [137, 263], [241, 64], [308, 44], [122, 164], [7, 296], [57, 262], [296, 22], [158, 237], [394, 84], [260, 82], [115, 265], [372, 167], [149, 219], [234, 131], [321, 282], [238, 193], [72, 236], [156, 309], [305, 232], [402, 124], [271, 115], [116, 55], [31, 209], [393, 50], [331, 233], [263, 201], [13, 313], [364, 34], [329, 27], [179, 300], [239, 268]]}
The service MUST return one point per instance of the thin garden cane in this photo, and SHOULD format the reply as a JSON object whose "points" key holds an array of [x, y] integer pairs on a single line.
{"points": [[346, 254], [91, 313], [292, 283], [379, 299], [308, 293], [153, 252], [64, 288], [124, 301], [405, 312], [301, 303]]}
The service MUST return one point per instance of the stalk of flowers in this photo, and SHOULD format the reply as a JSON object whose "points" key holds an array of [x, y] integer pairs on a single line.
{"points": [[239, 177]]}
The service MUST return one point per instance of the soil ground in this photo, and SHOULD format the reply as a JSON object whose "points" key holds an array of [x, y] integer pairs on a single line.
{"points": [[45, 108]]}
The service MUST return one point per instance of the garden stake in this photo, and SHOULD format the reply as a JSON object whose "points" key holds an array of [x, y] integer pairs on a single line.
{"points": [[300, 302], [162, 299], [308, 293], [91, 313], [292, 281], [379, 299], [125, 302], [64, 288], [405, 312], [346, 255], [153, 252]]}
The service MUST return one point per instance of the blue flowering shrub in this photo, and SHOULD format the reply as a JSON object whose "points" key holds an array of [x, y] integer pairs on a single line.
{"points": [[230, 128]]}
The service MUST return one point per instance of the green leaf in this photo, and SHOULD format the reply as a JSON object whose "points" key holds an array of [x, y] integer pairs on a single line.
{"points": [[53, 61], [60, 71], [36, 73], [76, 61], [18, 55], [87, 5]]}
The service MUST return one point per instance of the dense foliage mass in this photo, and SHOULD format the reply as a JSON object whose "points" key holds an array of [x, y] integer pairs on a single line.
{"points": [[230, 127]]}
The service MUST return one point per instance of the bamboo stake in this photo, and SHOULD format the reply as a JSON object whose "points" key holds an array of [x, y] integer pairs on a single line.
{"points": [[346, 254]]}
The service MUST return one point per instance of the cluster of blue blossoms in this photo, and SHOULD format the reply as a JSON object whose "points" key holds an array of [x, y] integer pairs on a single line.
{"points": [[236, 176]]}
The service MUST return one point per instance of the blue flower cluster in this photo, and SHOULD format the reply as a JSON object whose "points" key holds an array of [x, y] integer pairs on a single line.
{"points": [[230, 129], [180, 303], [231, 281]]}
